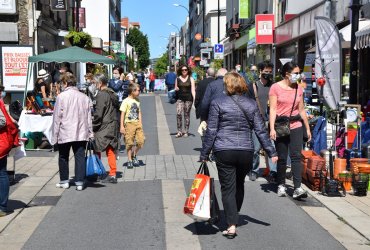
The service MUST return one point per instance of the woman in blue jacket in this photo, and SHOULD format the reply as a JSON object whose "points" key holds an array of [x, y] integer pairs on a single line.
{"points": [[231, 120]]}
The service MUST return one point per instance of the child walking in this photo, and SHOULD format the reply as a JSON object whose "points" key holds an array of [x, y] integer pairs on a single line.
{"points": [[131, 125]]}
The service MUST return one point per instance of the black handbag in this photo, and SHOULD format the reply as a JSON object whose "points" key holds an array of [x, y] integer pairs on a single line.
{"points": [[282, 123]]}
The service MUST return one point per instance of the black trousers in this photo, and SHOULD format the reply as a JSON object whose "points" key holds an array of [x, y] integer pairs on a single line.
{"points": [[233, 166], [293, 145], [78, 148]]}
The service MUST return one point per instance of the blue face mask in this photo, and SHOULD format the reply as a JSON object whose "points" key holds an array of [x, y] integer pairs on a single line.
{"points": [[3, 94]]}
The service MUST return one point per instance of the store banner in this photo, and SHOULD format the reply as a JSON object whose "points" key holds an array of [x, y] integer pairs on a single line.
{"points": [[265, 27], [58, 5], [14, 61], [243, 9], [328, 59]]}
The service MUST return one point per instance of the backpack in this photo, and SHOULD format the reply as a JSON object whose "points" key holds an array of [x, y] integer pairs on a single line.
{"points": [[8, 134]]}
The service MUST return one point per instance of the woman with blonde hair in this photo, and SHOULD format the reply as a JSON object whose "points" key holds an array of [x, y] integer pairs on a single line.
{"points": [[231, 119]]}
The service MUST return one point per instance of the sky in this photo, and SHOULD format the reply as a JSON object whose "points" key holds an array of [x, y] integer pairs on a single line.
{"points": [[154, 16]]}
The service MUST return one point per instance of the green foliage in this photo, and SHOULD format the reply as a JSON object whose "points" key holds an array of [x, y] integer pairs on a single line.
{"points": [[217, 64], [131, 64], [80, 39], [160, 68], [100, 69], [200, 73], [140, 42]]}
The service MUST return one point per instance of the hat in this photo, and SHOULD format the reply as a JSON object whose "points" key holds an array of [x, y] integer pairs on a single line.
{"points": [[42, 73]]}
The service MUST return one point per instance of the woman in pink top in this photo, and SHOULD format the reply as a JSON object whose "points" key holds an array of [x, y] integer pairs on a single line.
{"points": [[281, 98]]}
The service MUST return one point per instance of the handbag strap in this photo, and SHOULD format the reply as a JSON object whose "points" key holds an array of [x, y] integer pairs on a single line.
{"points": [[203, 169], [295, 97], [245, 114]]}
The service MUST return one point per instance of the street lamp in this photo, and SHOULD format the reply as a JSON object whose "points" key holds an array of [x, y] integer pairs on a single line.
{"points": [[189, 26], [171, 24]]}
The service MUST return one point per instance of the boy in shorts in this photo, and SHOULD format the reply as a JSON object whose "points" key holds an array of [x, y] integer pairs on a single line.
{"points": [[131, 126]]}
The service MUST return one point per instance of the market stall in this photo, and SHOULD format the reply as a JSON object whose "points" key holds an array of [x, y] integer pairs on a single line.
{"points": [[31, 121]]}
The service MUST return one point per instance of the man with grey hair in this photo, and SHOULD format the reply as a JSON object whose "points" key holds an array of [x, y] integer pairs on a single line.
{"points": [[213, 90], [201, 89]]}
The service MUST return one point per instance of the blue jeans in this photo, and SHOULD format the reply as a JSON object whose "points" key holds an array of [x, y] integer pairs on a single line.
{"points": [[4, 184], [256, 155]]}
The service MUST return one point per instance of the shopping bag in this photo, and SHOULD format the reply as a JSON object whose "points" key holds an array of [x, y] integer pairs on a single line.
{"points": [[172, 96], [94, 166], [215, 209], [198, 203]]}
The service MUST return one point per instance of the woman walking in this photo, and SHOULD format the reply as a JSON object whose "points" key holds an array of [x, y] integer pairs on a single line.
{"points": [[185, 88], [105, 124], [72, 128], [286, 100], [231, 119]]}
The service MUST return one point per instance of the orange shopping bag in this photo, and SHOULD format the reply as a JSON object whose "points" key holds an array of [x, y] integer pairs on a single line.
{"points": [[198, 203]]}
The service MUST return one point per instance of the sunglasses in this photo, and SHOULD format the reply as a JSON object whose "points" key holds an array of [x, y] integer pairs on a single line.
{"points": [[184, 70]]}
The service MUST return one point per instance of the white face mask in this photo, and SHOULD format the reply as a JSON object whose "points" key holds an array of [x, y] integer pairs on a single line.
{"points": [[116, 76], [3, 94], [294, 78]]}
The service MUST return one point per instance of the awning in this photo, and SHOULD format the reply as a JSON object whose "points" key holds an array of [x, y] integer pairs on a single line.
{"points": [[345, 32], [363, 38], [345, 45]]}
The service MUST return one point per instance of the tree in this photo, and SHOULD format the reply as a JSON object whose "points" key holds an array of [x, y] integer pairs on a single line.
{"points": [[160, 68], [140, 42], [131, 64]]}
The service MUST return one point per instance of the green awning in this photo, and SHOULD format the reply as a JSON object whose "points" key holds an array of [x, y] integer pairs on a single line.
{"points": [[72, 55]]}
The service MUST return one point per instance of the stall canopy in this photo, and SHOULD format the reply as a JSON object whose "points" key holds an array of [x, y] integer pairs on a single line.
{"points": [[72, 55], [363, 38]]}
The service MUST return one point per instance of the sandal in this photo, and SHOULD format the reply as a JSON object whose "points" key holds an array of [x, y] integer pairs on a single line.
{"points": [[230, 233], [179, 134], [185, 135]]}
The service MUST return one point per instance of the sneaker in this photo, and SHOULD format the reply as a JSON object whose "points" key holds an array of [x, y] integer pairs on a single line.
{"points": [[135, 161], [299, 193], [281, 191], [80, 187], [2, 213], [110, 179], [62, 185], [253, 176], [130, 164]]}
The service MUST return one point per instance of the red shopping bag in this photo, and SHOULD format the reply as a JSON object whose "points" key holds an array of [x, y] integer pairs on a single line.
{"points": [[198, 203]]}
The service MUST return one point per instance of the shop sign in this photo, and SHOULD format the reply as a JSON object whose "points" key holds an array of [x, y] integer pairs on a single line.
{"points": [[265, 29], [81, 18], [58, 5], [8, 7], [243, 9], [14, 61]]}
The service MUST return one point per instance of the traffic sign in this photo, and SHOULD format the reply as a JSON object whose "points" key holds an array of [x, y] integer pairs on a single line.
{"points": [[219, 48]]}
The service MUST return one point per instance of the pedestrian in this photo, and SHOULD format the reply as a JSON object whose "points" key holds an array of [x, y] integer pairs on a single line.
{"points": [[131, 76], [106, 124], [119, 84], [8, 139], [151, 81], [213, 90], [170, 79], [92, 90], [72, 128], [261, 90], [141, 80], [286, 100], [131, 125], [42, 87], [229, 134], [201, 89], [239, 70], [185, 90]]}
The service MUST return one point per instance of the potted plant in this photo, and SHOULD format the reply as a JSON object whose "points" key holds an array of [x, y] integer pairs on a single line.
{"points": [[80, 39]]}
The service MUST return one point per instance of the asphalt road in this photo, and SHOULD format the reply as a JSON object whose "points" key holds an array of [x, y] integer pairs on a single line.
{"points": [[130, 215]]}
